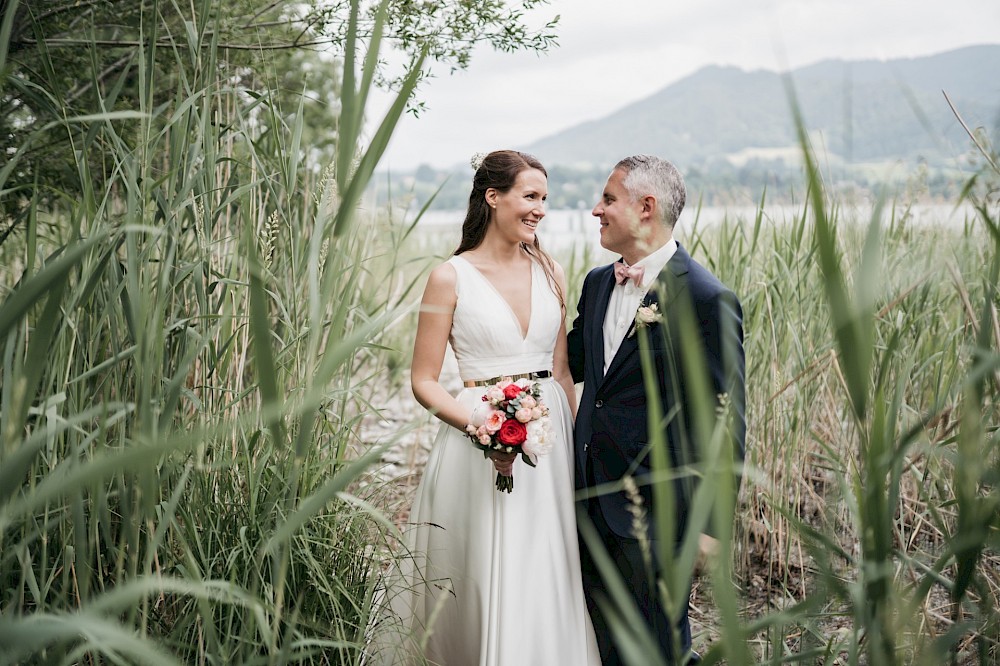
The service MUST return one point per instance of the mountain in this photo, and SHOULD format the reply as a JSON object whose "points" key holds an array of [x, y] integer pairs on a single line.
{"points": [[731, 132], [855, 111]]}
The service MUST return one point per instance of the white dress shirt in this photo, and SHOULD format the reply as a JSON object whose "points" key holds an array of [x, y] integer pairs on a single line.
{"points": [[626, 299]]}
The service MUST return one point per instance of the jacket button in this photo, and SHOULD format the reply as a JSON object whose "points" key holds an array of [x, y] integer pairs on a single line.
{"points": [[599, 404]]}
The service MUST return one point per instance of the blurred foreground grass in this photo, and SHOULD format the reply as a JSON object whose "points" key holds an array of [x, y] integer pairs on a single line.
{"points": [[190, 349]]}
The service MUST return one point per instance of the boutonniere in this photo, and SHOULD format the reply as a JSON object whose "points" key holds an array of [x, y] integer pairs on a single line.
{"points": [[646, 315]]}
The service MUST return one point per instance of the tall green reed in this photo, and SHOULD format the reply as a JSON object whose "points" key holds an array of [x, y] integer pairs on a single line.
{"points": [[869, 424], [865, 528], [182, 374]]}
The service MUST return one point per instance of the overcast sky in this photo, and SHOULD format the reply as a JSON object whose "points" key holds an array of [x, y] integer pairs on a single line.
{"points": [[614, 52]]}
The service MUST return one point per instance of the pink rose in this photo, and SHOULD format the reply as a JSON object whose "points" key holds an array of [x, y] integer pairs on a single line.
{"points": [[523, 415], [511, 391], [528, 402], [512, 433], [484, 438], [494, 421], [494, 394], [537, 413]]}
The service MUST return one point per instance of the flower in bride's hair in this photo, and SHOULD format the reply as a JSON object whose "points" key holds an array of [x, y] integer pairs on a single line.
{"points": [[477, 160]]}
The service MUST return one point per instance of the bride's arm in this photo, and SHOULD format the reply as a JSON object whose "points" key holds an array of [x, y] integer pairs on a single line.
{"points": [[437, 309], [560, 356]]}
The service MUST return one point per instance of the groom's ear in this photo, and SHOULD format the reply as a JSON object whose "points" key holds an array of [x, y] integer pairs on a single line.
{"points": [[649, 206]]}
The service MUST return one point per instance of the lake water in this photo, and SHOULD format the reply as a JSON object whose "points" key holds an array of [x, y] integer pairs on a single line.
{"points": [[562, 230]]}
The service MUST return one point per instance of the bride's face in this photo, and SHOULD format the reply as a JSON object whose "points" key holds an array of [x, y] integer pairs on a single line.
{"points": [[517, 212]]}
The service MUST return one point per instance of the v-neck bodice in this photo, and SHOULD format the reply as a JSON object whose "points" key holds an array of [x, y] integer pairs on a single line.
{"points": [[487, 336]]}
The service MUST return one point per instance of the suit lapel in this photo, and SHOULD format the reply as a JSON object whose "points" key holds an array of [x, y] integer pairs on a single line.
{"points": [[601, 299], [664, 291]]}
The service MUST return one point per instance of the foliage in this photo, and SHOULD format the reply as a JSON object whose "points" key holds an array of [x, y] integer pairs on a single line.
{"points": [[187, 347], [76, 58], [871, 513]]}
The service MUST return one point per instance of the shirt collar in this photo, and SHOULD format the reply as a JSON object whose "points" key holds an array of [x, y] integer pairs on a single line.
{"points": [[655, 261]]}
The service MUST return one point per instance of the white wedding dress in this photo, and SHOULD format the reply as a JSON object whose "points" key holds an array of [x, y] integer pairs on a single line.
{"points": [[495, 577]]}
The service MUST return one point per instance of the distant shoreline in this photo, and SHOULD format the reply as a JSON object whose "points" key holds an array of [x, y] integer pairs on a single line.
{"points": [[562, 227]]}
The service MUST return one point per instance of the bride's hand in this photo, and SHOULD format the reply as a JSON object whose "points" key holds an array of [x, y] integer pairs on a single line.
{"points": [[503, 462]]}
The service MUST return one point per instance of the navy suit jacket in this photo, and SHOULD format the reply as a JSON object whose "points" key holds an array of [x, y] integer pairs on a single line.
{"points": [[612, 424]]}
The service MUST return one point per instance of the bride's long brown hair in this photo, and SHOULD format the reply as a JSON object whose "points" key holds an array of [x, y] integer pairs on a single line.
{"points": [[499, 170]]}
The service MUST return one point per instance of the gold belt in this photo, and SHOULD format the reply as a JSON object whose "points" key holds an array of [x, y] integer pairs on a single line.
{"points": [[538, 374]]}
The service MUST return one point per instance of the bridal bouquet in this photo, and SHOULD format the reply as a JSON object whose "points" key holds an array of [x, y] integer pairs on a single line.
{"points": [[513, 419]]}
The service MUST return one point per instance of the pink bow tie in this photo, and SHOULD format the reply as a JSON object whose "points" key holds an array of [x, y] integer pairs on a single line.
{"points": [[625, 273]]}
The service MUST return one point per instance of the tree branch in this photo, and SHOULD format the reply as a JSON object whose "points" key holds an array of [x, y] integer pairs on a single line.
{"points": [[130, 43], [78, 5], [76, 93], [262, 12]]}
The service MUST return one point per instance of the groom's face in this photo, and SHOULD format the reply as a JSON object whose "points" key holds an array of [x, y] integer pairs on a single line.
{"points": [[619, 215]]}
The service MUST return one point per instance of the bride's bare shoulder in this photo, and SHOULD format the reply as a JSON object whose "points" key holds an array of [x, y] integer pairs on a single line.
{"points": [[559, 273], [441, 282], [557, 269]]}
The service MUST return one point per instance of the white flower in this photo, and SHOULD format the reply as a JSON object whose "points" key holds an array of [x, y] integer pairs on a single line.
{"points": [[646, 315], [479, 414], [539, 442], [477, 160]]}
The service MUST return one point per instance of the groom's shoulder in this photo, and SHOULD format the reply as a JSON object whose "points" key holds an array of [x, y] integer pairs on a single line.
{"points": [[598, 272], [704, 282]]}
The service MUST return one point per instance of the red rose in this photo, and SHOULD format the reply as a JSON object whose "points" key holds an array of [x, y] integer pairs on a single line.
{"points": [[512, 433], [511, 391]]}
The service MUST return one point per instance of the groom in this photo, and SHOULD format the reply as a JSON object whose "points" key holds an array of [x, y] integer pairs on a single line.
{"points": [[640, 204]]}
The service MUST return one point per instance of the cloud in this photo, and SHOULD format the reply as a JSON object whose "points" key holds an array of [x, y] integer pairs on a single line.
{"points": [[615, 53]]}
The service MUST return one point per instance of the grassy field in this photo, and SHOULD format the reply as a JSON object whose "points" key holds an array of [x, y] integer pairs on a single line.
{"points": [[187, 350], [820, 474], [867, 523], [190, 348]]}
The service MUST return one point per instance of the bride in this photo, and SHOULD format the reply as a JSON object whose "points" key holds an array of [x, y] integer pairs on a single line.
{"points": [[494, 577]]}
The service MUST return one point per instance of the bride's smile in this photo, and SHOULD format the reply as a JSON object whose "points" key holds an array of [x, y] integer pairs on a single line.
{"points": [[517, 212]]}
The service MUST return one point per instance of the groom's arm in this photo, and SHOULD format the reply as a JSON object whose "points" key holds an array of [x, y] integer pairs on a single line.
{"points": [[575, 347], [729, 367], [725, 362]]}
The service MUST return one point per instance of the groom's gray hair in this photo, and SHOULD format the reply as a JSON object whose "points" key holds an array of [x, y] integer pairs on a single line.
{"points": [[648, 174]]}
